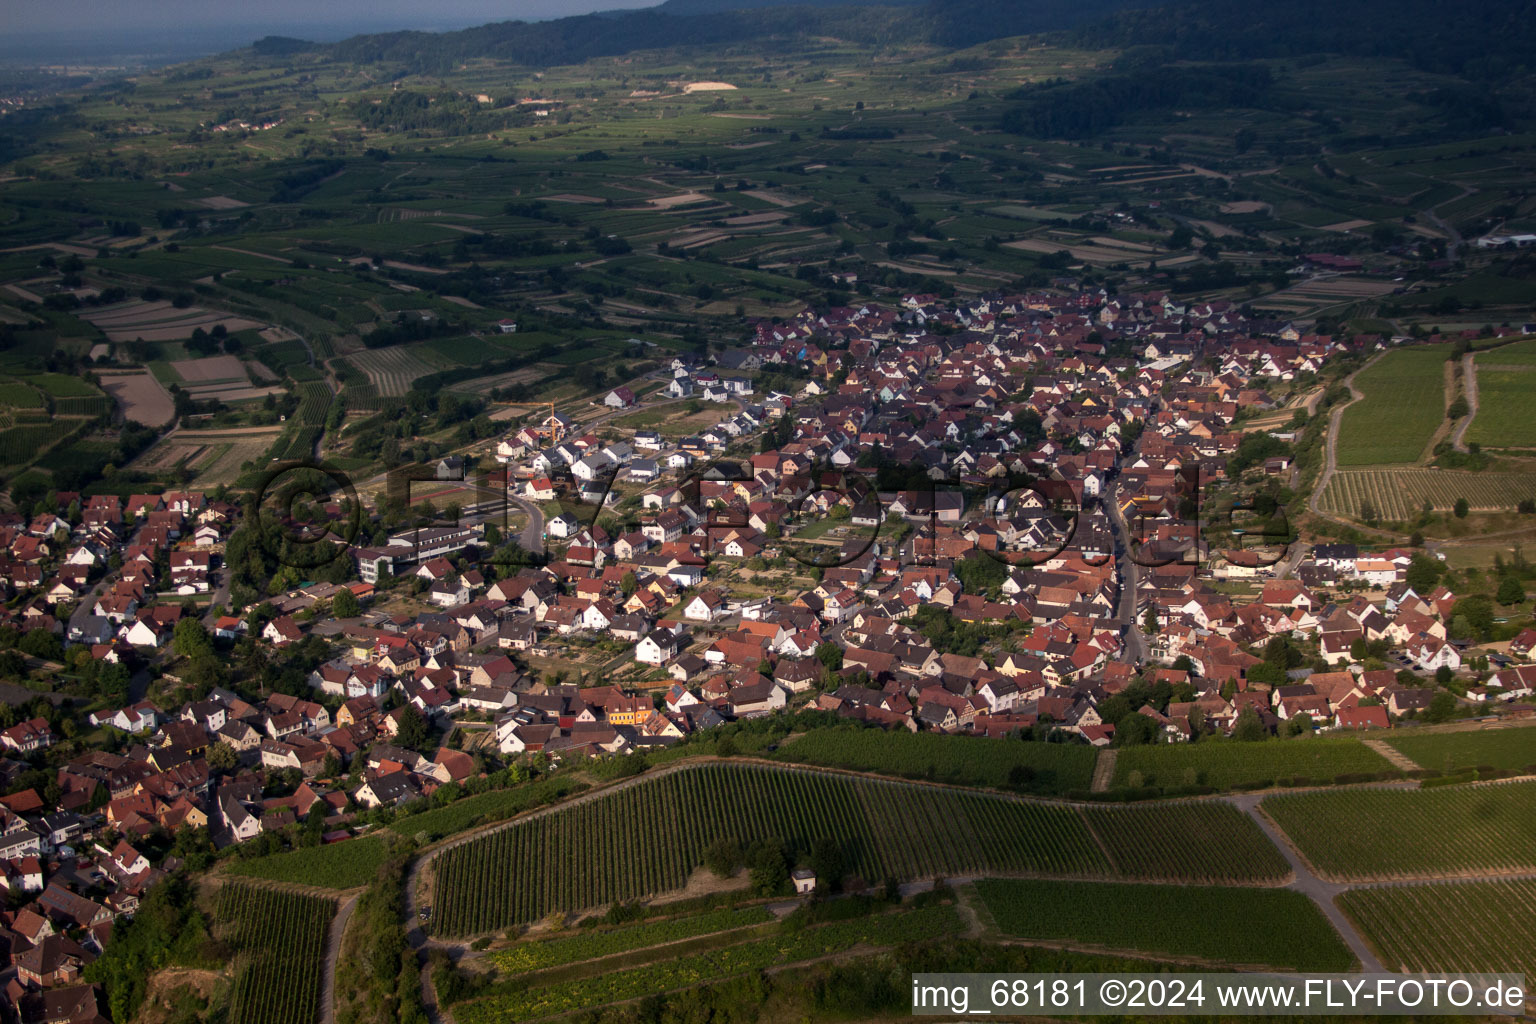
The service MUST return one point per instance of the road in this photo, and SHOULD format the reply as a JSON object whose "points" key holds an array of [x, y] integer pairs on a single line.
{"points": [[1305, 882], [1469, 387], [1134, 651], [1330, 455], [332, 954]]}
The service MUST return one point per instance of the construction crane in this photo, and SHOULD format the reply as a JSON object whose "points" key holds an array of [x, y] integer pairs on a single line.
{"points": [[556, 429]]}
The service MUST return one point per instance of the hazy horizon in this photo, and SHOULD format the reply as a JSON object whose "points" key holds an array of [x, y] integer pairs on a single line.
{"points": [[85, 29]]}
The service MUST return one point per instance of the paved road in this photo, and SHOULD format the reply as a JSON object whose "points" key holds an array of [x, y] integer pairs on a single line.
{"points": [[1469, 388], [1318, 891], [1134, 650]]}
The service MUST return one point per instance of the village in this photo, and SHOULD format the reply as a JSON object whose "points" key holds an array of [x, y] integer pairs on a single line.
{"points": [[968, 518]]}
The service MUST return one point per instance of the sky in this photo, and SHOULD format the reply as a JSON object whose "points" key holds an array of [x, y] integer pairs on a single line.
{"points": [[200, 23]]}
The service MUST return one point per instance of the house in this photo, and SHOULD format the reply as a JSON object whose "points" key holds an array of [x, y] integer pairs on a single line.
{"points": [[387, 790], [805, 881], [619, 398], [657, 648]]}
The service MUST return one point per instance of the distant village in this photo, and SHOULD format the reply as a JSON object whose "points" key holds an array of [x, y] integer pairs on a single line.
{"points": [[965, 474]]}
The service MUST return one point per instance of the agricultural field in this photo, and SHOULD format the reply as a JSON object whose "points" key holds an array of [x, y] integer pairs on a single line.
{"points": [[1186, 840], [140, 397], [139, 320], [344, 865], [1506, 380], [391, 370], [1449, 926], [1399, 494], [279, 939], [1512, 749], [589, 944], [1274, 928], [1404, 405], [1228, 764], [517, 1001], [960, 760], [580, 856], [20, 445], [494, 805], [1377, 833]]}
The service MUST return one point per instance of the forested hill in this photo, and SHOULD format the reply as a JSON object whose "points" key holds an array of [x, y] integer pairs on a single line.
{"points": [[945, 23], [1481, 39]]}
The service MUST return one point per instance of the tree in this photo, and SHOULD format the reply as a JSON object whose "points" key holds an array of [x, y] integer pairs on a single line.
{"points": [[830, 655], [221, 757], [1149, 622], [767, 867], [190, 639], [828, 864], [1442, 706], [413, 731], [1248, 727], [1511, 591], [1423, 573], [722, 857], [1443, 676], [345, 605], [1462, 508], [1135, 730]]}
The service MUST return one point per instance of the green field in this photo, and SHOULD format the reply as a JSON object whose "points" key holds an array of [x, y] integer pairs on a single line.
{"points": [[1378, 833], [1506, 379], [279, 939], [1513, 749], [962, 760], [1453, 926], [589, 944], [1225, 764], [1400, 493], [517, 1002], [1404, 404], [648, 839], [336, 866], [1244, 927], [1186, 840]]}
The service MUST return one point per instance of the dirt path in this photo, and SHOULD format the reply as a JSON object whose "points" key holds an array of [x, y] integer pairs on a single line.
{"points": [[1104, 770], [333, 954], [1469, 387], [1330, 457], [1391, 753]]}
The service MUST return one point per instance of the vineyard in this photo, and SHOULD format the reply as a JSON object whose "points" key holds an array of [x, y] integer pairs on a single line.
{"points": [[1404, 404], [391, 370], [961, 760], [1361, 834], [1513, 749], [1228, 764], [279, 939], [649, 838], [1189, 840], [1457, 926], [314, 402], [589, 945], [20, 445], [1247, 927], [517, 1003], [494, 805], [1505, 377], [334, 866], [1399, 494]]}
